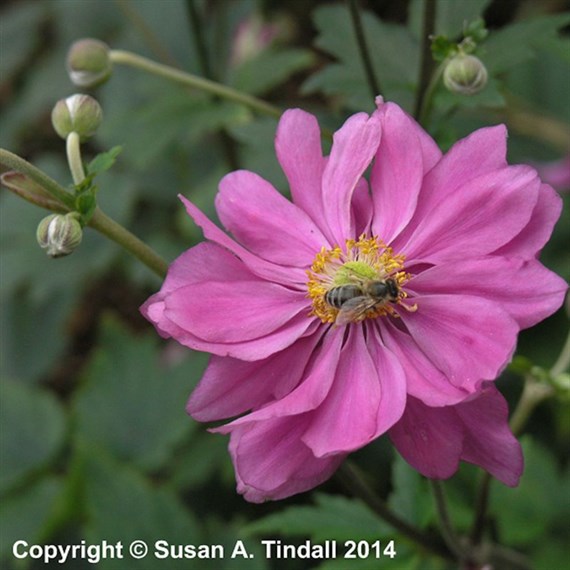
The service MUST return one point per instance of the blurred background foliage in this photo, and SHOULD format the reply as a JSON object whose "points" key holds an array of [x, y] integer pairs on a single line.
{"points": [[94, 440]]}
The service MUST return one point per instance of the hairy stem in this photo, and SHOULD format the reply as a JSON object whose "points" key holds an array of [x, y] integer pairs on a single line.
{"points": [[354, 482], [73, 149], [187, 79], [373, 84], [426, 62]]}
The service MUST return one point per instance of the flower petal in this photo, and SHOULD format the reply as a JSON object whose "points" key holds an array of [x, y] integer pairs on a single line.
{"points": [[429, 439], [485, 214], [469, 339], [271, 461], [525, 289], [266, 222], [295, 277], [537, 232], [230, 387], [397, 173], [354, 146], [489, 441], [366, 398], [298, 148], [424, 380]]}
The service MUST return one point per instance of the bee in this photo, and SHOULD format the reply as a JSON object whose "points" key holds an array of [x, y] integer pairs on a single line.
{"points": [[354, 300]]}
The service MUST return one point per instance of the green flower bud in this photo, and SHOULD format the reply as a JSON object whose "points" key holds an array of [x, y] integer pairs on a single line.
{"points": [[59, 234], [465, 74], [89, 63], [79, 113]]}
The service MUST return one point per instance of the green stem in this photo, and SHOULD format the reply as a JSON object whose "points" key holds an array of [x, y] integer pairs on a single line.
{"points": [[563, 361], [73, 149], [14, 162], [189, 80], [447, 529], [426, 61], [427, 99], [117, 233], [373, 84], [352, 479]]}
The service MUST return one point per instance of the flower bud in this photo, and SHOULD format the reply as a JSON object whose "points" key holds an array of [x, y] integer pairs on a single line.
{"points": [[79, 113], [59, 234], [465, 74], [89, 63]]}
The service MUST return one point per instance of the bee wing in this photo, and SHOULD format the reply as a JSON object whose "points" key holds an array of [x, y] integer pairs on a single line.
{"points": [[353, 309]]}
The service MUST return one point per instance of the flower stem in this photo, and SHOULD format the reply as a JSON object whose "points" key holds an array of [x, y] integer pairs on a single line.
{"points": [[373, 84], [563, 361], [17, 163], [426, 62], [447, 529], [74, 158], [189, 80], [352, 479], [117, 233]]}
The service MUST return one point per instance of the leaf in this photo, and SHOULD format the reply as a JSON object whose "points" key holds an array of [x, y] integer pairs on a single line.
{"points": [[32, 428], [23, 516], [130, 404], [122, 505], [104, 160], [518, 42], [332, 518], [543, 497], [270, 68], [394, 58]]}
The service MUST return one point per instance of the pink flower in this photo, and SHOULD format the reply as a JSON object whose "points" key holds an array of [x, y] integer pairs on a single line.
{"points": [[325, 315]]}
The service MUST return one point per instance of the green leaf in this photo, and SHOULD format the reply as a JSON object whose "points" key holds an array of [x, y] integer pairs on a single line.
{"points": [[394, 57], [270, 68], [514, 44], [122, 505], [23, 516], [32, 428], [104, 160], [543, 497], [130, 404], [332, 518]]}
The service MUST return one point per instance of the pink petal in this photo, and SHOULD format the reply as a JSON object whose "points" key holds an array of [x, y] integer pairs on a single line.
{"points": [[354, 146], [469, 339], [537, 232], [397, 174], [361, 208], [295, 277], [309, 394], [266, 222], [298, 148], [489, 441], [485, 214], [424, 380], [366, 398], [429, 439], [525, 289], [230, 387], [233, 311], [271, 461]]}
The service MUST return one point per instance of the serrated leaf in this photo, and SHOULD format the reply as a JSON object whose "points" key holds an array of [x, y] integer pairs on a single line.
{"points": [[394, 57], [104, 160], [122, 505], [23, 516], [269, 69], [130, 404], [32, 428], [510, 46], [542, 497], [332, 518]]}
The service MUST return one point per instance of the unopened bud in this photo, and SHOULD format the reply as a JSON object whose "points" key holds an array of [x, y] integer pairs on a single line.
{"points": [[465, 74], [59, 234], [89, 63], [79, 113]]}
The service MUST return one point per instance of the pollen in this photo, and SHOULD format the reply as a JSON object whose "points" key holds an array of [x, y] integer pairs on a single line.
{"points": [[360, 262]]}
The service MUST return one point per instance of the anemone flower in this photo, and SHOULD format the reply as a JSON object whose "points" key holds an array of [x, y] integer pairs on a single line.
{"points": [[330, 315]]}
